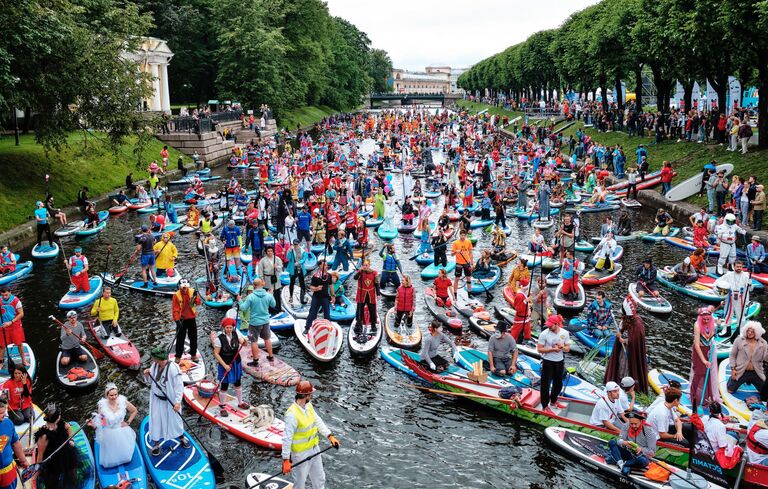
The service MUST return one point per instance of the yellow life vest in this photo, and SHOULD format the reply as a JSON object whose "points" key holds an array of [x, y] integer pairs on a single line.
{"points": [[305, 436], [206, 226]]}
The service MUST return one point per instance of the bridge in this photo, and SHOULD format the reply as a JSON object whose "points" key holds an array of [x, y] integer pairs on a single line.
{"points": [[445, 99]]}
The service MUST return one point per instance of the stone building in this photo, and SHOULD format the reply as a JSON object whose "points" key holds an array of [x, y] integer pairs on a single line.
{"points": [[153, 57]]}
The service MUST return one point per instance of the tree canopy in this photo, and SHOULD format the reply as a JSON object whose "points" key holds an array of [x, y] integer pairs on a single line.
{"points": [[61, 59], [676, 40]]}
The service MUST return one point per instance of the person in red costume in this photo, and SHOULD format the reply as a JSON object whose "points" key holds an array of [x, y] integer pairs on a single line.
{"points": [[367, 292], [522, 320]]}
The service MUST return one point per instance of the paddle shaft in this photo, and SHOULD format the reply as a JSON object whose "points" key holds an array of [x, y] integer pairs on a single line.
{"points": [[260, 483], [119, 277], [66, 260], [488, 295], [98, 306], [737, 329], [216, 467], [96, 353], [218, 386], [739, 477]]}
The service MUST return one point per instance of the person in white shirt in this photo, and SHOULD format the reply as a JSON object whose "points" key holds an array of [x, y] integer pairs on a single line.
{"points": [[300, 440], [605, 250], [627, 394], [664, 415], [551, 345], [738, 283], [716, 432], [607, 412]]}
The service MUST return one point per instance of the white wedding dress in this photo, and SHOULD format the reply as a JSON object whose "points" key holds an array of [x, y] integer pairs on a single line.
{"points": [[116, 442]]}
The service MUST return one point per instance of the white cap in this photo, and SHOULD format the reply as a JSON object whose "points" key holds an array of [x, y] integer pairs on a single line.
{"points": [[183, 283], [611, 386], [72, 314], [730, 217], [627, 382]]}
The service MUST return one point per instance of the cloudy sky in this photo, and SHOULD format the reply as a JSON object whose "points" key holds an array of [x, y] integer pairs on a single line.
{"points": [[417, 33]]}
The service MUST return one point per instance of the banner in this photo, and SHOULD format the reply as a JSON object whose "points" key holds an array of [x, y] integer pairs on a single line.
{"points": [[677, 99], [703, 462], [734, 93], [696, 98], [711, 96]]}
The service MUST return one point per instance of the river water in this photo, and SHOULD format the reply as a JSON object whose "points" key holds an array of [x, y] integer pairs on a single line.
{"points": [[391, 435]]}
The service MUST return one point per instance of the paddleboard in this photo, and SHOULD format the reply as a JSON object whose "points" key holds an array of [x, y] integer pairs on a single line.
{"points": [[191, 370], [275, 372], [274, 482], [22, 269], [430, 271], [402, 337], [72, 300], [166, 286], [658, 304], [692, 186], [45, 251], [238, 421], [12, 353], [599, 277], [561, 302], [134, 471], [323, 342], [68, 377], [69, 229], [176, 467], [118, 348], [367, 341]]}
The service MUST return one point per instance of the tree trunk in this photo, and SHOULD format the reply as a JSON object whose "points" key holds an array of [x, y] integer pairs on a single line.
{"points": [[619, 97], [720, 84], [687, 94], [639, 88], [762, 103], [604, 91]]}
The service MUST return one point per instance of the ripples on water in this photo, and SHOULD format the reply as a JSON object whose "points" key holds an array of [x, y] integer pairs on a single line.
{"points": [[391, 435]]}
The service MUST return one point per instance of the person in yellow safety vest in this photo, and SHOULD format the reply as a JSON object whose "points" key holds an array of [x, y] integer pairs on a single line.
{"points": [[206, 223], [108, 312], [165, 256], [300, 440]]}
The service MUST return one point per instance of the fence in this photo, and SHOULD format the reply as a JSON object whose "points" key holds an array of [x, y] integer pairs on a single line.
{"points": [[202, 125]]}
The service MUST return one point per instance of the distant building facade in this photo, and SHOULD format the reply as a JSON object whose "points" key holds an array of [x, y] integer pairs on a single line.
{"points": [[433, 80]]}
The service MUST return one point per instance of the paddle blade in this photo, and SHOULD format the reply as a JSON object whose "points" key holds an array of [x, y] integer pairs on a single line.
{"points": [[30, 472], [218, 470], [96, 353]]}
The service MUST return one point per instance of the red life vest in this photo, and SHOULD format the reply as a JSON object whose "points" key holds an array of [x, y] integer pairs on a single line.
{"points": [[366, 286], [755, 445], [404, 300]]}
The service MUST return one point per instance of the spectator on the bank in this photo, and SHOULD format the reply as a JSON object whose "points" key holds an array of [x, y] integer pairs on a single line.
{"points": [[666, 177], [129, 183], [720, 134], [758, 207], [745, 132], [734, 133]]}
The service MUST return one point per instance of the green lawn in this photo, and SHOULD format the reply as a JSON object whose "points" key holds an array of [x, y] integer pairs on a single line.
{"points": [[687, 158], [304, 116], [88, 163]]}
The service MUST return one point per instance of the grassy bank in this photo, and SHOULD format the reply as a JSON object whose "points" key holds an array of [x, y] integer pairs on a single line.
{"points": [[687, 158], [88, 163], [475, 107], [304, 116]]}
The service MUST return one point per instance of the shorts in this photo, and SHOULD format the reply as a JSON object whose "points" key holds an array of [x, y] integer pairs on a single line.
{"points": [[148, 260], [73, 352], [503, 363], [465, 269], [303, 235], [258, 331], [232, 252], [14, 335]]}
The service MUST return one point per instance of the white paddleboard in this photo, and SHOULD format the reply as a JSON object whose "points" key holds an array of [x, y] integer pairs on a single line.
{"points": [[692, 186]]}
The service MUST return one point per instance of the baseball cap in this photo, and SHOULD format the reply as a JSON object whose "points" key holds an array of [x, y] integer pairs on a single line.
{"points": [[611, 386], [627, 382]]}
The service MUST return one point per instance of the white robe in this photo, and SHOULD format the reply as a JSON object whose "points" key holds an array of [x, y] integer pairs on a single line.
{"points": [[164, 422]]}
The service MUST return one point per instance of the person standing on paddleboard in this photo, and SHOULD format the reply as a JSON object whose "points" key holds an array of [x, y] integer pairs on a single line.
{"points": [[366, 295], [53, 441], [78, 270], [166, 384], [321, 294], [226, 348], [107, 311], [553, 342], [257, 306], [145, 246], [300, 440], [184, 313]]}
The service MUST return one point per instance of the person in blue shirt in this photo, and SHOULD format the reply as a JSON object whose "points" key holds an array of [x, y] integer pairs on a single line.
{"points": [[389, 267], [170, 210], [343, 250], [43, 226], [599, 316], [640, 152], [11, 446], [756, 256], [303, 226], [232, 238]]}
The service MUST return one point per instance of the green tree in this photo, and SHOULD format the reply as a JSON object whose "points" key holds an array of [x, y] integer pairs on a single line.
{"points": [[64, 59], [349, 66], [379, 69]]}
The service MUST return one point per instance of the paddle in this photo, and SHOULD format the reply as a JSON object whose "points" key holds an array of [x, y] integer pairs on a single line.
{"points": [[674, 472], [33, 469], [737, 329], [488, 295], [66, 261], [119, 276], [650, 295], [96, 353], [218, 386], [740, 476], [218, 470], [98, 306], [259, 484], [433, 249]]}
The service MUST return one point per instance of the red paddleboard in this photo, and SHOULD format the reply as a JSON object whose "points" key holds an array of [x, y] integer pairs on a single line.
{"points": [[509, 295], [118, 348], [238, 421], [117, 209]]}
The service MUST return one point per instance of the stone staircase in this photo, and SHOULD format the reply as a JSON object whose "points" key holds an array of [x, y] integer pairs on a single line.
{"points": [[211, 147], [245, 134]]}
